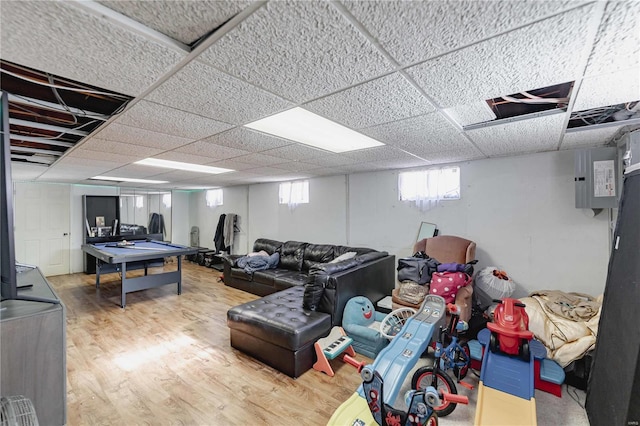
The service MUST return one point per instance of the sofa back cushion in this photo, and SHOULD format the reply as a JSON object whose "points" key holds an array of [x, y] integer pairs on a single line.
{"points": [[291, 255], [316, 253], [340, 250], [270, 246]]}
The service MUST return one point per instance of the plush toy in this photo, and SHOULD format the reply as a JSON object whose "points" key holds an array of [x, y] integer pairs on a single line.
{"points": [[362, 324]]}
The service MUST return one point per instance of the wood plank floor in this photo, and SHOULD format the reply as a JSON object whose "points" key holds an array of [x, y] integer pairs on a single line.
{"points": [[166, 360]]}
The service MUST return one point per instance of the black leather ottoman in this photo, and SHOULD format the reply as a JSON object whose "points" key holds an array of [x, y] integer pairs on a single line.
{"points": [[278, 331]]}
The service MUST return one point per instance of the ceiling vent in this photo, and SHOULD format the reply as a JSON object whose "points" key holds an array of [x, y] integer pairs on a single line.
{"points": [[49, 114]]}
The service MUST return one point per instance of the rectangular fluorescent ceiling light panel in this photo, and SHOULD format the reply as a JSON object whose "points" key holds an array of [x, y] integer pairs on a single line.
{"points": [[177, 165], [121, 179], [302, 126]]}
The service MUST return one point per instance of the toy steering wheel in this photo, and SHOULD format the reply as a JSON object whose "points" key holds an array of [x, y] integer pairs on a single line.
{"points": [[393, 322]]}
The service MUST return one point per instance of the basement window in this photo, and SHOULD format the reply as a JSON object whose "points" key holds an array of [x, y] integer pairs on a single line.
{"points": [[431, 185], [294, 193], [214, 197]]}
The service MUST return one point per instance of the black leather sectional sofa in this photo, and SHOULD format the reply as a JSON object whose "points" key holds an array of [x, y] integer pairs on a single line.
{"points": [[304, 297]]}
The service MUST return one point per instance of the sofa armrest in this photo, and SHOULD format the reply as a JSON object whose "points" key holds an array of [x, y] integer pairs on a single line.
{"points": [[373, 280]]}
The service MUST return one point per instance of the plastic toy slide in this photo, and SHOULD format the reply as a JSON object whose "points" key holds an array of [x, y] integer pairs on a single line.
{"points": [[506, 391], [395, 361]]}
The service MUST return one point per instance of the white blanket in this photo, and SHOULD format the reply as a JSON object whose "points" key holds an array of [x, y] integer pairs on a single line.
{"points": [[565, 335]]}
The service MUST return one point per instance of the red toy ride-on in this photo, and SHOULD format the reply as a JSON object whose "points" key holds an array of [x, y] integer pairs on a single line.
{"points": [[510, 329]]}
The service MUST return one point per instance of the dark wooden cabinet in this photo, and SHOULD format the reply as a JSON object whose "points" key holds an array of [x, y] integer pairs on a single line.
{"points": [[614, 386]]}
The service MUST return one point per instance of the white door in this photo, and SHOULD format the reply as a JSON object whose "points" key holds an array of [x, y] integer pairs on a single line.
{"points": [[42, 226]]}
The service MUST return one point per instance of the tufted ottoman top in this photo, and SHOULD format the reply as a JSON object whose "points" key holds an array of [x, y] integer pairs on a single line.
{"points": [[280, 319]]}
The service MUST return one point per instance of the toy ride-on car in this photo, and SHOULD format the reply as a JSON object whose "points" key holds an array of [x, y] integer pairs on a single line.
{"points": [[510, 329]]}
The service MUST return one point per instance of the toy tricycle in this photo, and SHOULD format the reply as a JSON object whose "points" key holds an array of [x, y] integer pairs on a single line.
{"points": [[510, 329]]}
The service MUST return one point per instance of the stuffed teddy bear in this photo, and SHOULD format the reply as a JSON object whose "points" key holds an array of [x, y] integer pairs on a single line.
{"points": [[362, 323]]}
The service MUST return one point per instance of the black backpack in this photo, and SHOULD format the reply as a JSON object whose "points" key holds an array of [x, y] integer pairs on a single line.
{"points": [[418, 268]]}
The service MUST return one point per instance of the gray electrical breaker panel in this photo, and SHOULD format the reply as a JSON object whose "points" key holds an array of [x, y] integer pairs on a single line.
{"points": [[596, 178]]}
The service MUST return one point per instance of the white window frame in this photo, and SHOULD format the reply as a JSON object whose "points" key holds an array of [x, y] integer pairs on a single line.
{"points": [[428, 187], [214, 197], [293, 193]]}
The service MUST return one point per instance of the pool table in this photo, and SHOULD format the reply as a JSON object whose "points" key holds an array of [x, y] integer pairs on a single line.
{"points": [[116, 257]]}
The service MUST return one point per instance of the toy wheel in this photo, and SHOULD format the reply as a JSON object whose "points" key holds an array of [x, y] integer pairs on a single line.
{"points": [[432, 420], [461, 372], [525, 353], [494, 345], [428, 376], [394, 321]]}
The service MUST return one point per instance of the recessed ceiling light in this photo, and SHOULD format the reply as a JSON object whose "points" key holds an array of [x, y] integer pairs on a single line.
{"points": [[121, 179], [302, 126], [183, 166]]}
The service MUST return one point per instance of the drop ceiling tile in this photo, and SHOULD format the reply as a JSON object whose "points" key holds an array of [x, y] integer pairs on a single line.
{"points": [[136, 136], [469, 152], [248, 140], [539, 55], [608, 89], [88, 154], [203, 90], [136, 171], [176, 175], [476, 112], [617, 45], [258, 159], [299, 50], [185, 21], [297, 166], [25, 171], [427, 132], [295, 151], [520, 137], [134, 152], [62, 39], [379, 101], [163, 119], [400, 26], [210, 150], [183, 157], [589, 138], [282, 177], [377, 153], [332, 160], [231, 164], [398, 163]]}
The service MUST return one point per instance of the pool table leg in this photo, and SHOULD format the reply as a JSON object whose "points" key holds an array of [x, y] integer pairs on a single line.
{"points": [[180, 274], [97, 273], [123, 295]]}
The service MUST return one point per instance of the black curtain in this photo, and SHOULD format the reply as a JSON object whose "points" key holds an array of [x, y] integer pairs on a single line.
{"points": [[613, 390]]}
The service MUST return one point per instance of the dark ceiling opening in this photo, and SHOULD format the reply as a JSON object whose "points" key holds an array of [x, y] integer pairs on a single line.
{"points": [[49, 114], [531, 101]]}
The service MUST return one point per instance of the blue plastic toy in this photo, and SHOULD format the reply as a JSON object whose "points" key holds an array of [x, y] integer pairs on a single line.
{"points": [[358, 321]]}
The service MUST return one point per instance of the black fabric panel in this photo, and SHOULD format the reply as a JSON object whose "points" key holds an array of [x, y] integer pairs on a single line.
{"points": [[610, 391], [291, 255], [316, 253]]}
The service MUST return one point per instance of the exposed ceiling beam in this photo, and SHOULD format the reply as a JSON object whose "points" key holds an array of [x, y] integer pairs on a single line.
{"points": [[32, 158], [35, 150], [42, 140], [36, 125], [57, 107]]}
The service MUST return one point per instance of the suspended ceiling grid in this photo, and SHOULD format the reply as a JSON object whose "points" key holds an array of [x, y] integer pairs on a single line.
{"points": [[411, 74]]}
